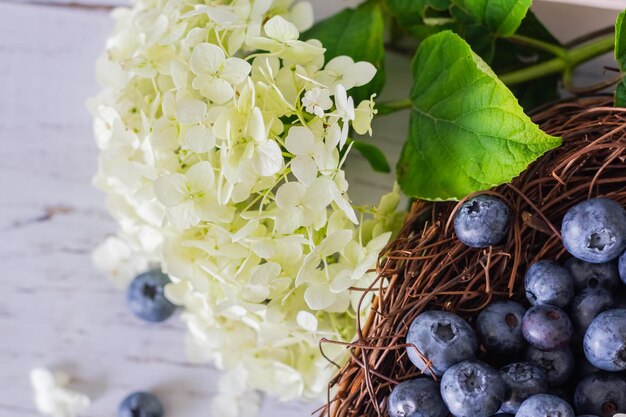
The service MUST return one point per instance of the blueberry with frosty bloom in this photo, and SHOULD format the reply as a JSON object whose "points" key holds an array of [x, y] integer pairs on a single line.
{"points": [[522, 379], [591, 275], [604, 343], [545, 405], [547, 282], [482, 221], [416, 398], [443, 338], [499, 327], [595, 230], [602, 394], [472, 389], [559, 365]]}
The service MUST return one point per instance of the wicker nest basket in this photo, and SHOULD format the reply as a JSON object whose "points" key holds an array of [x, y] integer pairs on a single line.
{"points": [[426, 267]]}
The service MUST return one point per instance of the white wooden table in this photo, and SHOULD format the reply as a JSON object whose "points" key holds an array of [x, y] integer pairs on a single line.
{"points": [[55, 309]]}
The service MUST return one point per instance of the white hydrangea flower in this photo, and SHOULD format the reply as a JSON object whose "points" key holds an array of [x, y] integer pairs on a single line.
{"points": [[223, 138], [317, 100], [53, 398]]}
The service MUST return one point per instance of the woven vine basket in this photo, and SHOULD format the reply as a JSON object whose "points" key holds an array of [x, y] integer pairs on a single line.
{"points": [[426, 267]]}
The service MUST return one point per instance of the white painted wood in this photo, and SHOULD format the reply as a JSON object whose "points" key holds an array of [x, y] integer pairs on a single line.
{"points": [[55, 309]]}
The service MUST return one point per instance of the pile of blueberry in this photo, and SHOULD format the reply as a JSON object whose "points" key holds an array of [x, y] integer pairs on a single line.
{"points": [[565, 352]]}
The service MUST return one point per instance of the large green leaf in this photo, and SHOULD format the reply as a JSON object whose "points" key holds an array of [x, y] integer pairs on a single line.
{"points": [[359, 34], [467, 131], [620, 57], [501, 17]]}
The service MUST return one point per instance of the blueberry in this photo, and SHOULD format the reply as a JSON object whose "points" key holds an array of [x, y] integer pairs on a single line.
{"points": [[140, 404], [602, 394], [545, 405], [547, 327], [443, 338], [146, 298], [588, 275], [587, 305], [547, 282], [472, 389], [503, 415], [622, 267], [595, 230], [482, 221], [499, 327], [416, 398], [558, 364], [522, 380], [604, 343]]}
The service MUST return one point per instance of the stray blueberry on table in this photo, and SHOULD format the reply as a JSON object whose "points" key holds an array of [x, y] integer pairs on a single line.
{"points": [[499, 327], [482, 221], [472, 389], [545, 405], [602, 394], [416, 398], [604, 343], [146, 297], [587, 275], [595, 230], [558, 364], [140, 404], [443, 338], [547, 282], [522, 380], [587, 305], [547, 327]]}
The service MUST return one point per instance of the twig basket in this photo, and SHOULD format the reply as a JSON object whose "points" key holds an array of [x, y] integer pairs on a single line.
{"points": [[426, 267]]}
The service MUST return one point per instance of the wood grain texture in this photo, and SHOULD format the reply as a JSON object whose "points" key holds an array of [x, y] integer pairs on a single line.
{"points": [[55, 309]]}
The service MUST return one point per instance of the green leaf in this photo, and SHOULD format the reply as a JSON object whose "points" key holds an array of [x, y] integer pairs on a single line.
{"points": [[467, 132], [620, 57], [501, 17], [358, 33], [375, 157], [413, 12]]}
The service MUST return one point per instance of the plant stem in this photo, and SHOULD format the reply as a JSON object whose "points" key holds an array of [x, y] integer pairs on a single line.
{"points": [[537, 44], [571, 59], [389, 107]]}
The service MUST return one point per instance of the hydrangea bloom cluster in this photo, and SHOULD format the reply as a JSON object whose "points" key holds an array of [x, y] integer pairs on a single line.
{"points": [[222, 139]]}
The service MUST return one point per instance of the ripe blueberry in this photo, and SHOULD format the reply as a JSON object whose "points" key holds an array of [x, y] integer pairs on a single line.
{"points": [[602, 394], [587, 305], [146, 298], [545, 405], [547, 327], [547, 282], [416, 398], [558, 364], [472, 389], [499, 327], [604, 343], [482, 221], [443, 338], [622, 267], [588, 275], [595, 230], [140, 404], [522, 380]]}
